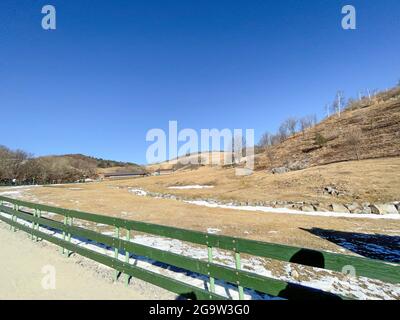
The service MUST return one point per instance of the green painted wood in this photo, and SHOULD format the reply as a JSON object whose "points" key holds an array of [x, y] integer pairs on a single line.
{"points": [[238, 265], [128, 237], [210, 260], [371, 268], [247, 279], [116, 252], [170, 284]]}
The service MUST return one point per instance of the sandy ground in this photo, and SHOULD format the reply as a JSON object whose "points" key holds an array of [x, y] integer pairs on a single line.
{"points": [[23, 262]]}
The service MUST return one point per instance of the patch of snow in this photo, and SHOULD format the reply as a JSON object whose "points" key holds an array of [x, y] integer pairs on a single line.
{"points": [[10, 193], [213, 230], [292, 211], [191, 187], [138, 192]]}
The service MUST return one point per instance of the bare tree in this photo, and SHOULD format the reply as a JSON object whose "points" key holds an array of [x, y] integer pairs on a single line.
{"points": [[307, 122], [265, 140], [238, 143], [291, 125], [354, 138], [327, 110], [287, 128], [338, 103]]}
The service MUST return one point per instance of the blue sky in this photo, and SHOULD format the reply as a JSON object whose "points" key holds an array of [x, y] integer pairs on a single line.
{"points": [[115, 69]]}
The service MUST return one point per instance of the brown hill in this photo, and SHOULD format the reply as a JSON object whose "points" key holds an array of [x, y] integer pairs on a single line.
{"points": [[367, 129]]}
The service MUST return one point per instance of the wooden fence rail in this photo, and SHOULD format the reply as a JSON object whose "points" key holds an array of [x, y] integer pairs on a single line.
{"points": [[28, 217]]}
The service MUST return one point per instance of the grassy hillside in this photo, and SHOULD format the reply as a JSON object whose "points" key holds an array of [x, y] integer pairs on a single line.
{"points": [[366, 129], [98, 162]]}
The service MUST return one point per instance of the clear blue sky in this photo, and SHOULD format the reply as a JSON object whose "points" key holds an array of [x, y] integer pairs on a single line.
{"points": [[115, 69]]}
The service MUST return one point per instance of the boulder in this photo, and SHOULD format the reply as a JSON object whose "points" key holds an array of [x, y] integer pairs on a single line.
{"points": [[337, 207], [307, 208], [383, 208], [279, 170], [366, 208], [322, 208], [355, 208]]}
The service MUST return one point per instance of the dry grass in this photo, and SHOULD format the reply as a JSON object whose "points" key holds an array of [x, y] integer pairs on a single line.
{"points": [[372, 180], [366, 179]]}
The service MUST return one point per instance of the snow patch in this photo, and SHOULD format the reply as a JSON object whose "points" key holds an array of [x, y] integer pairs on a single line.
{"points": [[213, 230], [138, 192], [191, 187], [291, 211]]}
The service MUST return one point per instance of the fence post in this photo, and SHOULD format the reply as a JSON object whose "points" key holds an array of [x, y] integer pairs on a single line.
{"points": [[14, 217], [69, 222], [238, 267], [128, 237], [37, 224], [116, 252], [33, 224], [64, 234], [210, 260]]}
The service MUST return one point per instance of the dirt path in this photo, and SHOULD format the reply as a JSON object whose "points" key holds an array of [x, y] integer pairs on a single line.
{"points": [[25, 265]]}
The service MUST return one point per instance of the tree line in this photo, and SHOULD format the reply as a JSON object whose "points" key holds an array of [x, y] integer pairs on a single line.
{"points": [[288, 127], [20, 167]]}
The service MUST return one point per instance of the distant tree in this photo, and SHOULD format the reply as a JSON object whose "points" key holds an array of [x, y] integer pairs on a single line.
{"points": [[283, 133], [338, 103], [291, 125], [265, 140], [307, 122], [327, 110], [238, 144], [353, 138]]}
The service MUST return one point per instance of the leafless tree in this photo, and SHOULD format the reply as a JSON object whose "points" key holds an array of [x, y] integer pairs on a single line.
{"points": [[291, 125], [265, 140], [338, 103], [238, 144], [307, 122], [354, 138]]}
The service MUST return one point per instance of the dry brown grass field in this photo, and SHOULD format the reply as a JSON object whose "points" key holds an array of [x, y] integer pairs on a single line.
{"points": [[367, 180]]}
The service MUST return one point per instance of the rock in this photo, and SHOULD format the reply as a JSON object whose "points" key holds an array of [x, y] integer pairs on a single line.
{"points": [[366, 208], [337, 207], [332, 191], [307, 208], [298, 165], [383, 208], [355, 207], [322, 208], [397, 207], [280, 170]]}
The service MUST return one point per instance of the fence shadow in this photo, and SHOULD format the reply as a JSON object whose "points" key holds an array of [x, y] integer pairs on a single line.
{"points": [[296, 292], [373, 246]]}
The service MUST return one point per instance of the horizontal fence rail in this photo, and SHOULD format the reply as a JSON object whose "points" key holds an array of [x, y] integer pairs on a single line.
{"points": [[21, 210]]}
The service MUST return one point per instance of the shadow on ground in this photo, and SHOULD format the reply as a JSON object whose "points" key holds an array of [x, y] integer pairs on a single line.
{"points": [[373, 246]]}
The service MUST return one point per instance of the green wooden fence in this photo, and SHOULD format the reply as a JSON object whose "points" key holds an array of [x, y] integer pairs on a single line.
{"points": [[26, 216]]}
